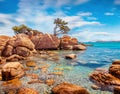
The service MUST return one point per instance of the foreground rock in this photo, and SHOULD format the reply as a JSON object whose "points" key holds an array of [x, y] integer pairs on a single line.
{"points": [[70, 56], [115, 69], [108, 80], [12, 70], [68, 43], [67, 88], [45, 41], [27, 91]]}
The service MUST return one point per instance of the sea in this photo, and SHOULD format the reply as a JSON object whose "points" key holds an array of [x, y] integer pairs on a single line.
{"points": [[76, 71]]}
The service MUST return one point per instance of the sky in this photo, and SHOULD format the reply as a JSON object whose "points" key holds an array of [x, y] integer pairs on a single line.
{"points": [[89, 20]]}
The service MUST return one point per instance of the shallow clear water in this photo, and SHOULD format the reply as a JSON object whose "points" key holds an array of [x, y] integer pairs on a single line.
{"points": [[76, 71]]}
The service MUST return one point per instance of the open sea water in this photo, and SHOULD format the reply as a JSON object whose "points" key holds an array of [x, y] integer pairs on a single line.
{"points": [[76, 71]]}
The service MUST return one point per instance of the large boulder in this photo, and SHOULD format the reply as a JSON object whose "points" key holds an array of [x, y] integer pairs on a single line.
{"points": [[69, 43], [3, 41], [67, 88], [12, 70], [45, 42], [19, 45], [104, 80], [115, 69], [23, 41]]}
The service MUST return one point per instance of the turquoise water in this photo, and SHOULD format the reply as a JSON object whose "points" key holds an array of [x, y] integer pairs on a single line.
{"points": [[76, 71]]}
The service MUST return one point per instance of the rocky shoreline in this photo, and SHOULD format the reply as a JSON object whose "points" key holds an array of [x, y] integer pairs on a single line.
{"points": [[15, 60]]}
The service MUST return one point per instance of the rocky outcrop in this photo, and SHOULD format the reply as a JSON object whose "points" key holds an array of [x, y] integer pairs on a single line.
{"points": [[3, 41], [45, 42], [19, 45], [12, 70], [108, 80], [68, 43], [67, 88], [115, 69]]}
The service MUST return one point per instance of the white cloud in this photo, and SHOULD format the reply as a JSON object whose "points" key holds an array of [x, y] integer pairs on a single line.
{"points": [[117, 2], [109, 14], [85, 14], [96, 36], [77, 21]]}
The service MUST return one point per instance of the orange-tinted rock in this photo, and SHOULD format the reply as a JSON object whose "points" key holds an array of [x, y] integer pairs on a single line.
{"points": [[117, 90], [114, 69], [67, 88], [56, 73], [71, 56], [23, 41], [95, 87], [30, 64], [35, 81], [50, 82], [12, 84], [8, 51], [27, 91], [22, 51], [3, 41], [104, 80], [17, 45], [79, 47], [12, 70], [67, 42], [33, 76], [45, 41]]}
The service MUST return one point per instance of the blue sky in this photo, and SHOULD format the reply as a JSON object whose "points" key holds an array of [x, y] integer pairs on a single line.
{"points": [[89, 20]]}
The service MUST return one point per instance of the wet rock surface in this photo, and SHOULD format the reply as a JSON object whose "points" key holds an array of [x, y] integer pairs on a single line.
{"points": [[67, 88], [107, 80], [27, 91], [115, 69], [12, 70]]}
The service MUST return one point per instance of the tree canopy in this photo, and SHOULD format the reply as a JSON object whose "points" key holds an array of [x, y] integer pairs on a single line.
{"points": [[60, 27], [21, 29]]}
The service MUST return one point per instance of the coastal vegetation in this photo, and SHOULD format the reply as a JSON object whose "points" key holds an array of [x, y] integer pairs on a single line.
{"points": [[60, 27]]}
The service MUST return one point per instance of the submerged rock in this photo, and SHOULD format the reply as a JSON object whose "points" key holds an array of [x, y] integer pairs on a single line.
{"points": [[13, 84], [50, 82], [27, 91], [12, 70], [67, 88], [30, 64]]}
